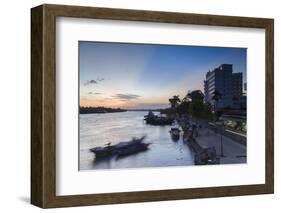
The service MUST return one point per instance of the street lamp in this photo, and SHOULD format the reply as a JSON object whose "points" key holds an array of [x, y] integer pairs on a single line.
{"points": [[220, 123]]}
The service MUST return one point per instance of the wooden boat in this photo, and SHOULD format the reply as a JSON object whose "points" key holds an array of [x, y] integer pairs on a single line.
{"points": [[175, 129], [159, 121], [121, 149], [133, 149], [152, 119], [175, 132]]}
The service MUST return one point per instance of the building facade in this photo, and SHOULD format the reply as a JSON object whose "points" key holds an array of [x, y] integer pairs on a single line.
{"points": [[237, 84], [226, 83]]}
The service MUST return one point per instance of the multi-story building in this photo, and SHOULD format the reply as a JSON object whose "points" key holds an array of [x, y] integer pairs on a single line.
{"points": [[237, 84], [226, 83]]}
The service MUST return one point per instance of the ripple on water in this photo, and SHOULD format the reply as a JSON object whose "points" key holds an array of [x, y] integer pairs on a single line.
{"points": [[99, 129]]}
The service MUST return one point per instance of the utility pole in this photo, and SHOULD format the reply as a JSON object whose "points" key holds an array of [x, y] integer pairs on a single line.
{"points": [[219, 128], [222, 155]]}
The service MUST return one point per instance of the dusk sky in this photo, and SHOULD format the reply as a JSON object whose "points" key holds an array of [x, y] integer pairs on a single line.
{"points": [[145, 75]]}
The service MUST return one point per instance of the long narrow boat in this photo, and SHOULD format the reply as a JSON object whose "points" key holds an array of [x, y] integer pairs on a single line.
{"points": [[123, 148]]}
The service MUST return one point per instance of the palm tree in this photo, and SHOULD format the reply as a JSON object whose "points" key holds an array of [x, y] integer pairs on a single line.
{"points": [[216, 97], [175, 100]]}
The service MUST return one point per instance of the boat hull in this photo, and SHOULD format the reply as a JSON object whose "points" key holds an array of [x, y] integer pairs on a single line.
{"points": [[121, 149]]}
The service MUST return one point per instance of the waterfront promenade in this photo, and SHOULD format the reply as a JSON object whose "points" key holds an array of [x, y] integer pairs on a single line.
{"points": [[233, 151]]}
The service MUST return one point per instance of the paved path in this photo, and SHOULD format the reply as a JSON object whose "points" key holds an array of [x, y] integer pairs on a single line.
{"points": [[233, 151]]}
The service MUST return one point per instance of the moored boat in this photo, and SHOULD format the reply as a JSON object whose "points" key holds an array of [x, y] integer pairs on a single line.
{"points": [[175, 130], [153, 119], [133, 149], [121, 149]]}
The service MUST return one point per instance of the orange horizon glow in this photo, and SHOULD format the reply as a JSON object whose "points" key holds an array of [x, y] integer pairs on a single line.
{"points": [[123, 104], [145, 76]]}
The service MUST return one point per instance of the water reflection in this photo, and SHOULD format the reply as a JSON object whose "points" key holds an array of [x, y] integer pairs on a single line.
{"points": [[100, 129], [175, 138]]}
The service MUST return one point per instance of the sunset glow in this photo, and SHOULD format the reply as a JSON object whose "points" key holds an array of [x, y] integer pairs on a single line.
{"points": [[144, 76]]}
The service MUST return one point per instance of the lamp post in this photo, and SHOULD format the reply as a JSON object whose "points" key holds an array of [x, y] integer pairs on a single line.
{"points": [[222, 155], [220, 125]]}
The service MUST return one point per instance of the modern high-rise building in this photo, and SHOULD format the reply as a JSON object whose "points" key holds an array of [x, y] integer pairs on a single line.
{"points": [[237, 84], [228, 86]]}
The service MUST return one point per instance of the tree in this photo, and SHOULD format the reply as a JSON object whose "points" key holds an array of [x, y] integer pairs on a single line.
{"points": [[196, 95], [196, 109], [183, 107], [200, 110], [216, 97], [208, 115], [175, 100]]}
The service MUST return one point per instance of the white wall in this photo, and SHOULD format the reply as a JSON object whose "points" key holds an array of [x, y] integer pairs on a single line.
{"points": [[15, 106]]}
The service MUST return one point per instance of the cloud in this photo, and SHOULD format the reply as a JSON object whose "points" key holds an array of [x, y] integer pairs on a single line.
{"points": [[89, 82], [94, 93], [100, 79], [126, 97], [93, 81]]}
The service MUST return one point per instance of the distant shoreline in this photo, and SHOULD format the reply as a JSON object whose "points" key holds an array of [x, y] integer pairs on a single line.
{"points": [[98, 110], [82, 113]]}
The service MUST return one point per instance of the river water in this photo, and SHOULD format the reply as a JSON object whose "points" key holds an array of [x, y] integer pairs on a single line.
{"points": [[100, 129]]}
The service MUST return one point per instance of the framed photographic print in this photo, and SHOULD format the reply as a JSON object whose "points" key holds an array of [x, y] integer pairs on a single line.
{"points": [[136, 106]]}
